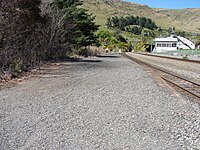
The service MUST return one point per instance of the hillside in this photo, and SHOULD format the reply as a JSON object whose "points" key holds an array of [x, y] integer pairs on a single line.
{"points": [[183, 19]]}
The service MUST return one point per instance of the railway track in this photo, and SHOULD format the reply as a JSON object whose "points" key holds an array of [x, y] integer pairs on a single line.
{"points": [[185, 85], [179, 59]]}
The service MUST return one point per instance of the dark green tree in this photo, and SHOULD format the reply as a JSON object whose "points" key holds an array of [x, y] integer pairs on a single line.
{"points": [[123, 23], [142, 21], [83, 27], [109, 23]]}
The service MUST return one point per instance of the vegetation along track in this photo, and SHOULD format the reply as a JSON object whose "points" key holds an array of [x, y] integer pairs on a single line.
{"points": [[184, 84]]}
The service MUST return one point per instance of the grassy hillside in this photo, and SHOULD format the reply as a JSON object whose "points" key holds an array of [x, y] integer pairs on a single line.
{"points": [[184, 19]]}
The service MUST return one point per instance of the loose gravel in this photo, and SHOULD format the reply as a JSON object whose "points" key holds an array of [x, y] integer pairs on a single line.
{"points": [[187, 70], [105, 103]]}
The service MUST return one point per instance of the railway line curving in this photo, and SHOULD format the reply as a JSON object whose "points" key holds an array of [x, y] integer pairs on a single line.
{"points": [[191, 87]]}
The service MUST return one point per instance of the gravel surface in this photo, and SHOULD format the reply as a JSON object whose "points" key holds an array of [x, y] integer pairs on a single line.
{"points": [[187, 70], [105, 103]]}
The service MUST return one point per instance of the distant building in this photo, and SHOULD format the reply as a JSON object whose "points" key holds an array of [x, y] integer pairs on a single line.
{"points": [[172, 43]]}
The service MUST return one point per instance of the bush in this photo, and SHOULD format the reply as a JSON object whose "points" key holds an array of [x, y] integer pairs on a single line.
{"points": [[29, 35], [20, 34], [140, 47]]}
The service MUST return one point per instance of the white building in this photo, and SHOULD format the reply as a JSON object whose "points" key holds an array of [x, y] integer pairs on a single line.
{"points": [[172, 43]]}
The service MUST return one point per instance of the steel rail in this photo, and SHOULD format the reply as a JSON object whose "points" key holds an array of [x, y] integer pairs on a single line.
{"points": [[168, 73], [171, 82], [173, 58]]}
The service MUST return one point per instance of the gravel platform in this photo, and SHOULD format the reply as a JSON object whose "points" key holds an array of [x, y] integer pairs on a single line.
{"points": [[105, 103]]}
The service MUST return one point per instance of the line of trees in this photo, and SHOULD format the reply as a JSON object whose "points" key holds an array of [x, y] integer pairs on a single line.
{"points": [[31, 32], [135, 30], [113, 41], [125, 23]]}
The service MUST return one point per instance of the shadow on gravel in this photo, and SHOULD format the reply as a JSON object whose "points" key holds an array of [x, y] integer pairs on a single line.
{"points": [[64, 68], [65, 60], [109, 56], [90, 61]]}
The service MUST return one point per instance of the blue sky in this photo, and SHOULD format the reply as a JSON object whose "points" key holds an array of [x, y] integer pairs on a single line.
{"points": [[173, 4]]}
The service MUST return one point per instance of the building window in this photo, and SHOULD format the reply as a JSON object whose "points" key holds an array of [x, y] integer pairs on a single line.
{"points": [[164, 45], [169, 45], [173, 44], [158, 45]]}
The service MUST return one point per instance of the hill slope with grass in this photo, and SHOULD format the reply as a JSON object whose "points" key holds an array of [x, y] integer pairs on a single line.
{"points": [[182, 19]]}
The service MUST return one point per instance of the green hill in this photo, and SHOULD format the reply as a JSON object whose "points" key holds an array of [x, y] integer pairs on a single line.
{"points": [[182, 19]]}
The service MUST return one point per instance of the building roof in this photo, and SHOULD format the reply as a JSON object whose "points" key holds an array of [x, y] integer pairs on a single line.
{"points": [[168, 39]]}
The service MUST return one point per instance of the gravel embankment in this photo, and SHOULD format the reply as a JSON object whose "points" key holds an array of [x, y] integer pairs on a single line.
{"points": [[100, 103], [187, 70]]}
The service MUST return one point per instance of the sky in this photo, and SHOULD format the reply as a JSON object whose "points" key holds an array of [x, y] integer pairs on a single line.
{"points": [[172, 4]]}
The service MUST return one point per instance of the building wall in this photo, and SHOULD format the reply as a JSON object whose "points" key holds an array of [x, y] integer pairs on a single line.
{"points": [[162, 46], [172, 44]]}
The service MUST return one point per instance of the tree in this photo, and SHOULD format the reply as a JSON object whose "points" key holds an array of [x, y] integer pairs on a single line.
{"points": [[170, 30], [109, 23], [112, 40], [120, 38], [72, 28], [160, 30], [115, 21], [85, 28], [29, 35], [181, 33], [142, 21], [19, 28], [124, 23]]}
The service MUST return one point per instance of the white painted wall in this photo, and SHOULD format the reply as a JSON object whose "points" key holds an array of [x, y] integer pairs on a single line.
{"points": [[168, 40]]}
